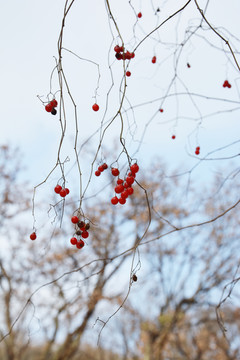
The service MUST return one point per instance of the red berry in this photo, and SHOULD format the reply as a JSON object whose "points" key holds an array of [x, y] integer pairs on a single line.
{"points": [[115, 171], [95, 107], [119, 56], [139, 15], [101, 168], [122, 201], [130, 180], [161, 110], [63, 193], [119, 181], [132, 174], [80, 244], [130, 190], [49, 107], [54, 103], [126, 185], [127, 55], [73, 241], [74, 220], [33, 236], [188, 65], [85, 234], [97, 173], [105, 166], [119, 189], [67, 191], [124, 194], [114, 200], [117, 49], [128, 73], [154, 59], [57, 189], [132, 55], [173, 137], [198, 148], [134, 168], [229, 86]]}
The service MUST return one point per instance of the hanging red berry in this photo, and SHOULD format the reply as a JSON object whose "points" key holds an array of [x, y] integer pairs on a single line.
{"points": [[115, 172], [63, 193], [57, 189], [95, 107], [114, 200], [74, 220], [154, 59], [128, 73], [97, 173], [49, 107], [33, 236], [80, 244], [173, 137], [139, 15], [73, 241], [85, 234]]}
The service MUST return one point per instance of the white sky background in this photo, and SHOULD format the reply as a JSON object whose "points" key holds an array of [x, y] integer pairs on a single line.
{"points": [[29, 34]]}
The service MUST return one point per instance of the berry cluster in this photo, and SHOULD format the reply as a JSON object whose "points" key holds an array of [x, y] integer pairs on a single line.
{"points": [[100, 169], [61, 191], [124, 187], [197, 151], [226, 84], [50, 107], [81, 230], [120, 54]]}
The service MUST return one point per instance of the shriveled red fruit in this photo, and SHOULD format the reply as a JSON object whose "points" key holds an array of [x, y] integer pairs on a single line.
{"points": [[130, 190], [173, 137], [54, 103], [80, 244], [54, 111], [73, 241], [119, 56], [85, 234], [81, 225], [57, 189], [95, 107], [188, 65], [154, 59], [122, 201], [128, 73], [139, 15], [33, 236], [114, 200], [115, 171], [134, 168], [67, 191], [130, 180], [97, 172], [63, 193], [74, 220], [105, 166], [49, 107], [119, 189]]}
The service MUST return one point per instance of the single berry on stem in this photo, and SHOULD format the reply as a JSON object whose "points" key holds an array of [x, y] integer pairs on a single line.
{"points": [[114, 200], [95, 107], [57, 189], [115, 172], [33, 236], [63, 193], [154, 59], [97, 173], [85, 234], [122, 201], [139, 15], [74, 220], [134, 168], [73, 241], [80, 244], [54, 103], [128, 73], [173, 137], [49, 107]]}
